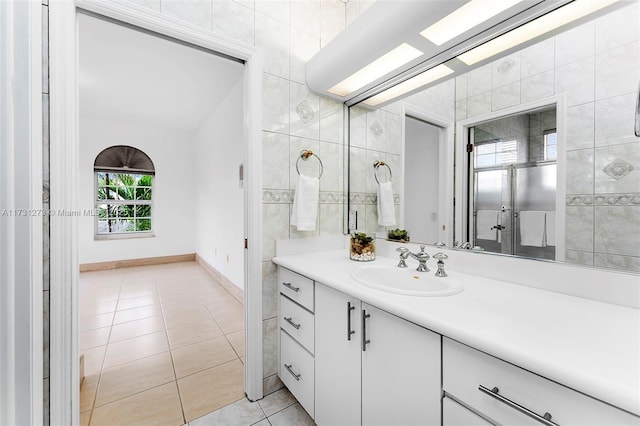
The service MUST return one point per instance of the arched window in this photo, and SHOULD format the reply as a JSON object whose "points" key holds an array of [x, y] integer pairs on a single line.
{"points": [[124, 188]]}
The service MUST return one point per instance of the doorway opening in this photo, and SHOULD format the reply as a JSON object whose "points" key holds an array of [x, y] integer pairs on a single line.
{"points": [[167, 338]]}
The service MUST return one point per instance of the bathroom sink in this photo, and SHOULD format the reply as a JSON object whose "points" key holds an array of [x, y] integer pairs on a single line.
{"points": [[406, 281]]}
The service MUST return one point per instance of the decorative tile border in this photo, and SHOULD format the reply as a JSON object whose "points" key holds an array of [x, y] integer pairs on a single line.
{"points": [[285, 196], [629, 199], [369, 198]]}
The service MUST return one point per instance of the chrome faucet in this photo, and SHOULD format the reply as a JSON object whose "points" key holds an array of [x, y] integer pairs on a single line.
{"points": [[421, 257], [441, 257]]}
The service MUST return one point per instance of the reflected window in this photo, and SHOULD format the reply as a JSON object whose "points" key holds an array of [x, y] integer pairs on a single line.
{"points": [[550, 139], [124, 188], [496, 153]]}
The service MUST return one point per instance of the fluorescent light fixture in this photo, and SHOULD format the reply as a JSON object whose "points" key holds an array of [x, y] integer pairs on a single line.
{"points": [[464, 18], [419, 80], [383, 65], [549, 22]]}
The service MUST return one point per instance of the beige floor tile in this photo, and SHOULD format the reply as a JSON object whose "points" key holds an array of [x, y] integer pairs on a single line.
{"points": [[208, 390], [84, 418], [87, 309], [157, 406], [223, 306], [137, 290], [193, 333], [92, 338], [185, 318], [91, 322], [93, 358], [131, 329], [169, 284], [137, 313], [88, 391], [136, 302], [232, 322], [134, 377], [237, 341], [93, 297], [136, 348], [200, 356]]}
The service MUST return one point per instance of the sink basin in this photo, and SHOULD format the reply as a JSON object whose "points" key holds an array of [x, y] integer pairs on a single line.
{"points": [[406, 281]]}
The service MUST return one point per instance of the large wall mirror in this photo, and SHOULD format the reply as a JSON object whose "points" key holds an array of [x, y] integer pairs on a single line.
{"points": [[532, 155]]}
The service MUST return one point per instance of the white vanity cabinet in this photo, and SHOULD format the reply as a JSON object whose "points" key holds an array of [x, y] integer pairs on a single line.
{"points": [[506, 394], [296, 321], [373, 368]]}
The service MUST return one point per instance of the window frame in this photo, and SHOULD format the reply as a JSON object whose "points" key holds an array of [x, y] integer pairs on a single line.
{"points": [[97, 202]]}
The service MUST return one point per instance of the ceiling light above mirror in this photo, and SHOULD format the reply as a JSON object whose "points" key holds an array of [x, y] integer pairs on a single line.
{"points": [[536, 28], [385, 64], [465, 18], [429, 76]]}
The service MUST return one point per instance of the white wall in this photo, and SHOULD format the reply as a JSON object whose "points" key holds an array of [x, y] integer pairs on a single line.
{"points": [[219, 208], [421, 176], [173, 190]]}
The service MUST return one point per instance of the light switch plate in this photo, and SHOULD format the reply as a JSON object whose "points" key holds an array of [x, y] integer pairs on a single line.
{"points": [[353, 220]]}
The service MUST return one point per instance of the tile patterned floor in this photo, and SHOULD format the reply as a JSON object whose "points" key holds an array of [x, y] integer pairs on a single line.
{"points": [[164, 345]]}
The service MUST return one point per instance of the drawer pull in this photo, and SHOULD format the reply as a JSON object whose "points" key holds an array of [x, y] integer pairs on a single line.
{"points": [[365, 341], [349, 330], [293, 373], [290, 321], [545, 419], [290, 286]]}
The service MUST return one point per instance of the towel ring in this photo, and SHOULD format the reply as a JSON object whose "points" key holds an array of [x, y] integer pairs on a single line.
{"points": [[377, 165], [304, 155]]}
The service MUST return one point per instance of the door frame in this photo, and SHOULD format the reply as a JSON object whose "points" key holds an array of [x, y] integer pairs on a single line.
{"points": [[64, 147], [463, 207]]}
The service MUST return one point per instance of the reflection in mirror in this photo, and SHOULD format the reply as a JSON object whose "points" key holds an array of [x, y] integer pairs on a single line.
{"points": [[591, 73], [422, 177], [513, 185]]}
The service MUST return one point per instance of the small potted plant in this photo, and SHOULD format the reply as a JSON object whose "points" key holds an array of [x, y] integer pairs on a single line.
{"points": [[398, 235], [362, 247]]}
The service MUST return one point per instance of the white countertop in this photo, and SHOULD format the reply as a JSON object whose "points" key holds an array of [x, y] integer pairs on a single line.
{"points": [[590, 346]]}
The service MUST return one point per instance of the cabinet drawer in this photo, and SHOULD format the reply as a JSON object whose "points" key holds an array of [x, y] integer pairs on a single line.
{"points": [[297, 321], [297, 371], [296, 287], [454, 414], [466, 369]]}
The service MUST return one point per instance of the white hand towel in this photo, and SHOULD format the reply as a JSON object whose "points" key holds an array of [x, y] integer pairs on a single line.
{"points": [[532, 228], [386, 208], [550, 222], [305, 203], [485, 220]]}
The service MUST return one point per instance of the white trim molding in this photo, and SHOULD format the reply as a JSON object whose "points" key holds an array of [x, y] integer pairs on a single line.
{"points": [[21, 366], [64, 191]]}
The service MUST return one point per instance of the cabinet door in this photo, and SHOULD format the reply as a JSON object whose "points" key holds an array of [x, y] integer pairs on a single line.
{"points": [[401, 381], [454, 414], [337, 354]]}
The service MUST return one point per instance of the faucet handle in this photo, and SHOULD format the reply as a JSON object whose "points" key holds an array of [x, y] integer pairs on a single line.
{"points": [[404, 253], [440, 256], [440, 244], [422, 248]]}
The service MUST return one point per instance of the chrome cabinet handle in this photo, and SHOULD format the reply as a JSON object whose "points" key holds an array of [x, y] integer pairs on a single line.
{"points": [[349, 331], [544, 419], [365, 341], [290, 321], [293, 373], [290, 286]]}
